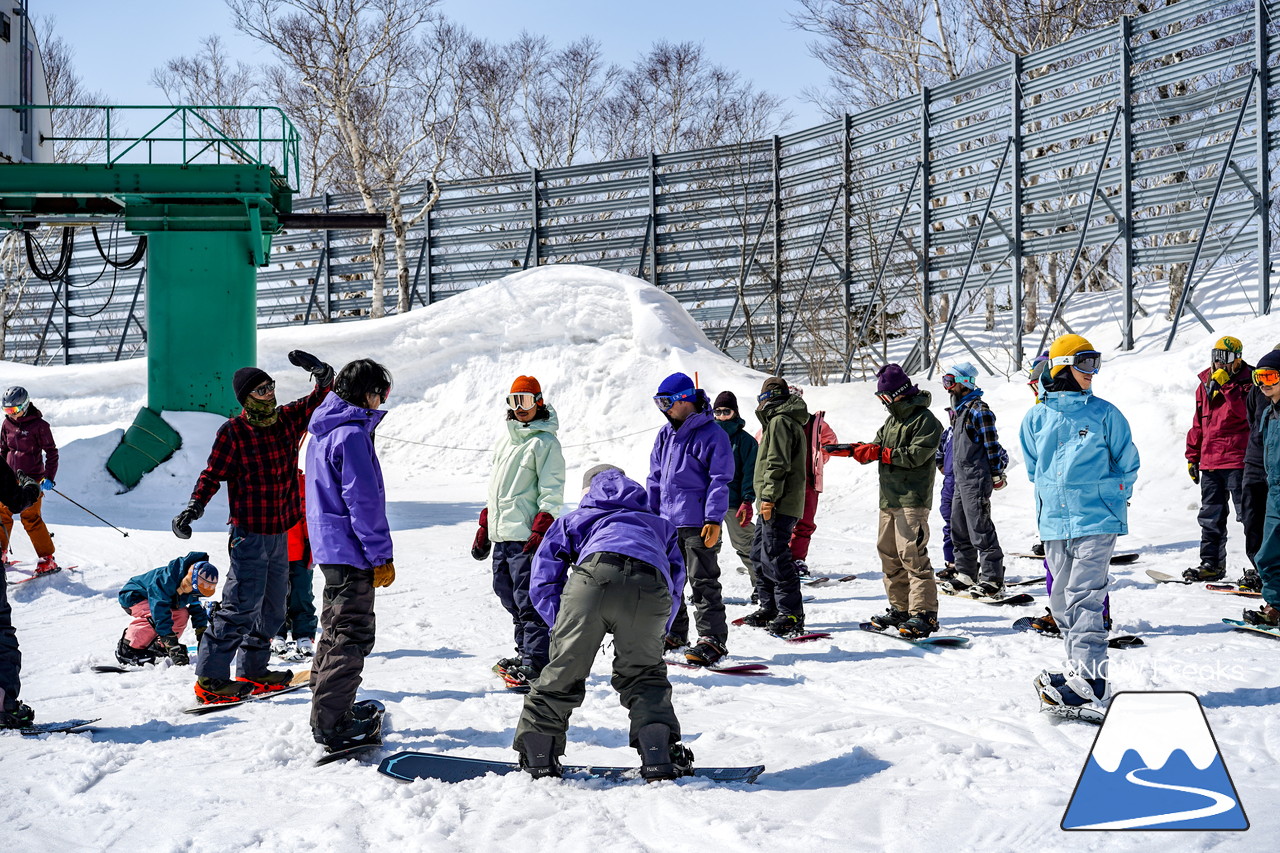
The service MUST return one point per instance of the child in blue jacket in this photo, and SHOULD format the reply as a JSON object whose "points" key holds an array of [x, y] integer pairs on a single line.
{"points": [[161, 602]]}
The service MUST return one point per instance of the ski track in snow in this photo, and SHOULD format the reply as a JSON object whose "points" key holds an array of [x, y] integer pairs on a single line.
{"points": [[868, 744]]}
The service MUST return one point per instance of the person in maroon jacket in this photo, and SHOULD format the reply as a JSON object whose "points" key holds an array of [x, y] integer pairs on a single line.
{"points": [[1216, 445], [256, 454], [817, 433], [26, 444]]}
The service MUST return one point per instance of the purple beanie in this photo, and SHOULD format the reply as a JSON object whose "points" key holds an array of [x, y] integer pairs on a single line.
{"points": [[894, 381]]}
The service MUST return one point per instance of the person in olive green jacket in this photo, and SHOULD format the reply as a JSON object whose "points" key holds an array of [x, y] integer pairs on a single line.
{"points": [[905, 448], [781, 466]]}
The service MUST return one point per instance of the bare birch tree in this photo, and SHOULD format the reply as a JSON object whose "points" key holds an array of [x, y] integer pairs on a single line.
{"points": [[67, 88]]}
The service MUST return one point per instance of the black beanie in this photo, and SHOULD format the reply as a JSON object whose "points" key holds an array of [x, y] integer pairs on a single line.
{"points": [[245, 380], [1271, 359], [726, 400]]}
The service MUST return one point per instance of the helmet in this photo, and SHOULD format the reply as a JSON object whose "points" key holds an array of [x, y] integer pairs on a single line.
{"points": [[1066, 345], [16, 400]]}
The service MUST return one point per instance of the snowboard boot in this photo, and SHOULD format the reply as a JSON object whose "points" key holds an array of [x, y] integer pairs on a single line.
{"points": [[755, 598], [948, 573], [987, 589], [506, 664], [522, 674], [279, 647], [707, 652], [536, 758], [660, 758], [786, 626], [889, 619], [671, 642], [212, 691], [920, 625], [1205, 572], [1265, 617], [1251, 581], [1046, 624], [305, 647], [760, 619], [1057, 688], [1038, 549], [18, 717], [269, 681], [802, 570], [360, 726], [129, 656]]}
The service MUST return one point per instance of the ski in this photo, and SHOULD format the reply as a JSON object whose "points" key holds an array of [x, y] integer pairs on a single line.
{"points": [[39, 575], [300, 681], [1120, 641], [729, 669], [818, 581], [1241, 625], [944, 642], [1163, 577], [409, 766], [847, 578], [1233, 588], [54, 728]]}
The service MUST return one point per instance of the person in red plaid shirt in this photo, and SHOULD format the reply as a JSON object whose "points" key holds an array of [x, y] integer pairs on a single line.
{"points": [[256, 454]]}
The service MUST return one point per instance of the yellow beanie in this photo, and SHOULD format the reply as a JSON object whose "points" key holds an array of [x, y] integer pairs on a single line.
{"points": [[1066, 345], [1230, 344]]}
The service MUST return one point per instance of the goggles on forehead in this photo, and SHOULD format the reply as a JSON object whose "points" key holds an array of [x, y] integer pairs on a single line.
{"points": [[1087, 361], [1224, 356], [664, 402], [771, 394], [522, 402], [1266, 377], [265, 388]]}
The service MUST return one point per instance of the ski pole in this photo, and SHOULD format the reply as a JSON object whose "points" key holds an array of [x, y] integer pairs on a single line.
{"points": [[91, 512]]}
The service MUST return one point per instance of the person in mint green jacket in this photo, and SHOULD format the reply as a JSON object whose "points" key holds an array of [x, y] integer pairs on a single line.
{"points": [[526, 494], [1080, 455]]}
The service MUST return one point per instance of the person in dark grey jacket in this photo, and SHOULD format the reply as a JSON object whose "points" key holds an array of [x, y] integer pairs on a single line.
{"points": [[17, 492]]}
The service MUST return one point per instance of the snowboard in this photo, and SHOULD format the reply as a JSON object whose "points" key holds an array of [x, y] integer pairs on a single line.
{"points": [[935, 640], [1025, 582], [1116, 559], [53, 728], [1164, 577], [515, 685], [1120, 641], [803, 638], [1018, 600], [111, 667], [725, 669], [408, 766], [1232, 588], [300, 681], [1241, 625], [1072, 712]]}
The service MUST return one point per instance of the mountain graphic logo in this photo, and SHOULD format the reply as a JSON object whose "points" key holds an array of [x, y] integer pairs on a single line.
{"points": [[1155, 765]]}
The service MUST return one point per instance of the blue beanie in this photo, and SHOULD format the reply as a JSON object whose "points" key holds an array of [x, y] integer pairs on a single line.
{"points": [[676, 385], [204, 572]]}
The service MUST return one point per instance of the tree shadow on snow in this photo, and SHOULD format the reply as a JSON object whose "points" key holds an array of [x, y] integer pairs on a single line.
{"points": [[838, 772]]}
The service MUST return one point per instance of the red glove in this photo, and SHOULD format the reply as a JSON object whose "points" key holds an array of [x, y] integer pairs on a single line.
{"points": [[743, 514], [480, 545], [866, 453], [541, 524], [839, 449]]}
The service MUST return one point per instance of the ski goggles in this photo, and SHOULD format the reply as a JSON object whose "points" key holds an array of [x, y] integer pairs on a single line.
{"points": [[265, 389], [771, 394], [1223, 356], [664, 402], [887, 399], [722, 414], [1266, 377], [15, 410], [523, 401], [1087, 361]]}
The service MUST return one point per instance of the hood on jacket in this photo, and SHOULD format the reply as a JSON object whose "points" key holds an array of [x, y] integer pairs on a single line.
{"points": [[903, 409], [792, 406], [334, 412], [521, 432], [615, 490]]}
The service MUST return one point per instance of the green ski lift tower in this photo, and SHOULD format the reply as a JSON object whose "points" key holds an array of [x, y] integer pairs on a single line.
{"points": [[207, 203]]}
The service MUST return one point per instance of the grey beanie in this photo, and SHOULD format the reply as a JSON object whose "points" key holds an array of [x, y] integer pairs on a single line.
{"points": [[598, 469]]}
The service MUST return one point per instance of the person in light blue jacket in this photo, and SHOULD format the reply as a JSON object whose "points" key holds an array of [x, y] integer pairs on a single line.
{"points": [[1080, 455]]}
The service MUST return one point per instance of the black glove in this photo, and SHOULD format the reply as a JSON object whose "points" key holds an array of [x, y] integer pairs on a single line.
{"points": [[175, 650], [1193, 468], [181, 524], [321, 372], [30, 491], [199, 634]]}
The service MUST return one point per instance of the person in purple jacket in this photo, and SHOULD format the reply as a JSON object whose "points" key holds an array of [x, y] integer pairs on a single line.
{"points": [[612, 566], [690, 470], [351, 544]]}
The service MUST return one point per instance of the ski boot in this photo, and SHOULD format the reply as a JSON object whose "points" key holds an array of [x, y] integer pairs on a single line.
{"points": [[1205, 572], [707, 652], [18, 717], [213, 691], [786, 625], [536, 758], [1251, 581], [360, 726], [659, 757], [1264, 617], [129, 656], [760, 619], [269, 681], [920, 625], [1046, 624], [47, 565], [889, 619]]}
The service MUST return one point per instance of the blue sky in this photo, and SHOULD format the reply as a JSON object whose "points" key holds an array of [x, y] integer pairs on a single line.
{"points": [[118, 42]]}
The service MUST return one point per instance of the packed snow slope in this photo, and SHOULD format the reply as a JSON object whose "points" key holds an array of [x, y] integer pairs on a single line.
{"points": [[870, 743]]}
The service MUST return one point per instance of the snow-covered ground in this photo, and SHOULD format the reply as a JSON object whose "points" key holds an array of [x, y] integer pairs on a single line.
{"points": [[870, 743]]}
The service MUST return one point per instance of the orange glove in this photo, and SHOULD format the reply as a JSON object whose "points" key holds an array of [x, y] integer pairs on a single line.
{"points": [[710, 535], [384, 575], [766, 510], [867, 453]]}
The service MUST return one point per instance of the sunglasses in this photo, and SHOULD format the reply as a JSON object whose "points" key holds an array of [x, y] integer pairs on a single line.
{"points": [[1266, 377], [1088, 361], [521, 402], [1224, 356], [723, 413], [264, 389]]}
